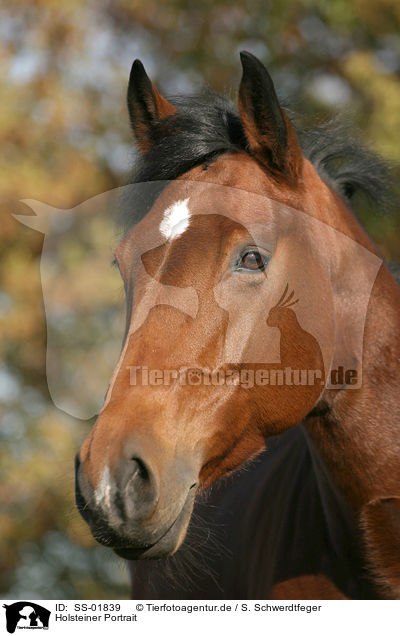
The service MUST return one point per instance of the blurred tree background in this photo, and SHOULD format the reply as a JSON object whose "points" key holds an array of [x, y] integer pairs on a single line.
{"points": [[65, 137]]}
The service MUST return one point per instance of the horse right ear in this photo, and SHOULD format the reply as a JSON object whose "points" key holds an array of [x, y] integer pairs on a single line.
{"points": [[146, 106]]}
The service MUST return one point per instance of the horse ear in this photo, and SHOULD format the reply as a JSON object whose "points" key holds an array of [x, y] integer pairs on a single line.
{"points": [[145, 105], [270, 134]]}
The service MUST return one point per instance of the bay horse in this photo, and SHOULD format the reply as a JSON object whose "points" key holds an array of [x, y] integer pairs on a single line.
{"points": [[278, 488]]}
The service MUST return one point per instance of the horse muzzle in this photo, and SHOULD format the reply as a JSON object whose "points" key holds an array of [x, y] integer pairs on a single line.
{"points": [[133, 509]]}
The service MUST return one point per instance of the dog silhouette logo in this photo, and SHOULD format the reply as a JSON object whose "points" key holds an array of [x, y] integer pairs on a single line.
{"points": [[26, 615]]}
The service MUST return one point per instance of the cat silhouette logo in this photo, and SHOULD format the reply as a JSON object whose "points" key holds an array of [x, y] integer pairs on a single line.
{"points": [[26, 615]]}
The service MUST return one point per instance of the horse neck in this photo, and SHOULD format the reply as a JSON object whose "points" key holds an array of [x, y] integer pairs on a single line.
{"points": [[357, 432]]}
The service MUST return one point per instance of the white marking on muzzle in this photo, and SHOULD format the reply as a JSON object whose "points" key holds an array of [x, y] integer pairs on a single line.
{"points": [[103, 490], [176, 219]]}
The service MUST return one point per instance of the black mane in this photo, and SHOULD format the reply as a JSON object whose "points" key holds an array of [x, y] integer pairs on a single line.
{"points": [[209, 125]]}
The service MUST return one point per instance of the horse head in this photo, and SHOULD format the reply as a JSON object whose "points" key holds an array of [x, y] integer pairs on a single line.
{"points": [[242, 215]]}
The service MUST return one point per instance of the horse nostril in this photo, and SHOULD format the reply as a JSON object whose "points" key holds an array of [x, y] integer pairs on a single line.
{"points": [[134, 477], [137, 487], [140, 469]]}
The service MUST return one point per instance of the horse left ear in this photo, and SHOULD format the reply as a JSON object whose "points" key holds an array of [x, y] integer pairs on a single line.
{"points": [[270, 134], [146, 106]]}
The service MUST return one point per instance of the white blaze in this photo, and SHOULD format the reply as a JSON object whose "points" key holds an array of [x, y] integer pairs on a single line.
{"points": [[176, 219]]}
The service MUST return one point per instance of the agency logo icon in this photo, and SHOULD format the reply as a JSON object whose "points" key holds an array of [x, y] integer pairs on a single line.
{"points": [[26, 615], [280, 303]]}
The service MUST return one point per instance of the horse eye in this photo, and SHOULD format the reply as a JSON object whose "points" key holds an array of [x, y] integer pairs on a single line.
{"points": [[252, 260]]}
